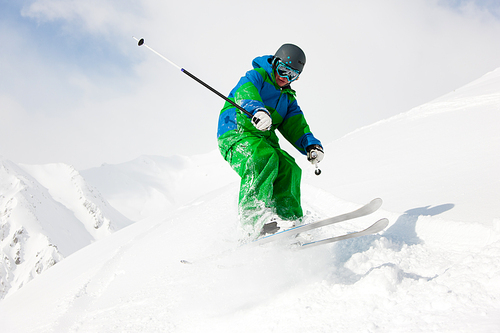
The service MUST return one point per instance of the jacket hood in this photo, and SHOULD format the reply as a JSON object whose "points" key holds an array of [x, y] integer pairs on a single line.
{"points": [[264, 62]]}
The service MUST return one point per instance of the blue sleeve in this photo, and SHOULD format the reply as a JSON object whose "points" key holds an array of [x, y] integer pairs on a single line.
{"points": [[247, 92]]}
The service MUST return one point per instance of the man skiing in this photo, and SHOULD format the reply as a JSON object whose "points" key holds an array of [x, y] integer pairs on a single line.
{"points": [[269, 196]]}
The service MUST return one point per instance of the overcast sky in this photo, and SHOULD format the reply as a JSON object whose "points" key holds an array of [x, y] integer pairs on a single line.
{"points": [[75, 87]]}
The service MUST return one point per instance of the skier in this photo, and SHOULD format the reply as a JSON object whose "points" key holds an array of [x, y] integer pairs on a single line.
{"points": [[269, 197]]}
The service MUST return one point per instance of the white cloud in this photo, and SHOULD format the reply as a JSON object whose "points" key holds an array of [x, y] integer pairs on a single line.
{"points": [[91, 16]]}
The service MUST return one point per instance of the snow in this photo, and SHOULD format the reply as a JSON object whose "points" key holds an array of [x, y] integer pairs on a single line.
{"points": [[445, 152], [46, 213], [436, 268]]}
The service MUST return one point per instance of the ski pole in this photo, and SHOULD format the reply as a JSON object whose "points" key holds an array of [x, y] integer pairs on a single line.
{"points": [[140, 42], [317, 172]]}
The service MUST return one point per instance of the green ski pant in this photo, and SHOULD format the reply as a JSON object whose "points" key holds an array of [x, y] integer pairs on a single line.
{"points": [[270, 181]]}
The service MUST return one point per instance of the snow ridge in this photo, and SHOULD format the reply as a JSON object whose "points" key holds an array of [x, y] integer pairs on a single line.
{"points": [[40, 225]]}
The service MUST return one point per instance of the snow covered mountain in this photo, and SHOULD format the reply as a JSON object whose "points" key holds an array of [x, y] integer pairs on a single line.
{"points": [[152, 184], [436, 268], [47, 213]]}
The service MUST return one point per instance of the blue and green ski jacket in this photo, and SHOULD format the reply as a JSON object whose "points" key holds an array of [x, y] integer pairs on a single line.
{"points": [[255, 91]]}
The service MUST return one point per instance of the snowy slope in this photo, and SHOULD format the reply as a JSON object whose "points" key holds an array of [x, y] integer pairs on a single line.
{"points": [[435, 269], [152, 184], [47, 213], [446, 152]]}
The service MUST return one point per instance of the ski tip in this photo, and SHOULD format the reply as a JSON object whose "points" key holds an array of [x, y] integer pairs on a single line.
{"points": [[376, 203], [383, 223], [378, 226]]}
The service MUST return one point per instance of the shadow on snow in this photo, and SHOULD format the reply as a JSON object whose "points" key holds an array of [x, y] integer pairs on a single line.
{"points": [[402, 232]]}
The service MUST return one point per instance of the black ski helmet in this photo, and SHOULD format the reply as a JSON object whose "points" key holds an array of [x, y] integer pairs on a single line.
{"points": [[292, 55]]}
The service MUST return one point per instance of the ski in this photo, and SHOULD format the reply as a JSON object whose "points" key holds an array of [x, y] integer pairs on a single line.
{"points": [[373, 229], [367, 209]]}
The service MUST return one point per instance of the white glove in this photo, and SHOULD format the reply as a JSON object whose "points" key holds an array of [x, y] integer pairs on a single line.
{"points": [[315, 153], [262, 120]]}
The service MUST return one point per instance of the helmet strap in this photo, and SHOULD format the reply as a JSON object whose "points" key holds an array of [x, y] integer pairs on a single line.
{"points": [[274, 62]]}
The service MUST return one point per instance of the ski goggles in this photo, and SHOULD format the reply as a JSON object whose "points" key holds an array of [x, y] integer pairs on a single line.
{"points": [[287, 72]]}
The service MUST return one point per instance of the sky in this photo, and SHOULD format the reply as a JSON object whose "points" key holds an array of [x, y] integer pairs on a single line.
{"points": [[75, 88]]}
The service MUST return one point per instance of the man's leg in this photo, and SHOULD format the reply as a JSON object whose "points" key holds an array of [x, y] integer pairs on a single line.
{"points": [[286, 188], [257, 163]]}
